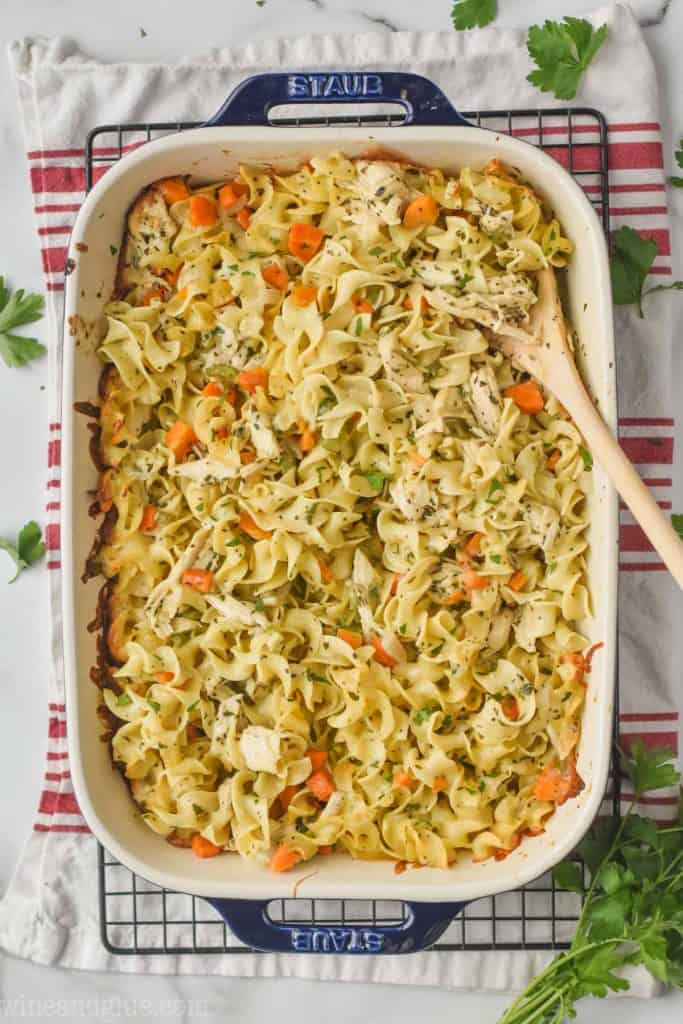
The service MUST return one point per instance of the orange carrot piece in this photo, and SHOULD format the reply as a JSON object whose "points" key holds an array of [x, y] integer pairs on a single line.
{"points": [[321, 785], [249, 380], [553, 459], [326, 574], [417, 459], [303, 295], [304, 240], [171, 276], [180, 439], [556, 786], [408, 303], [150, 295], [510, 707], [354, 640], [247, 456], [228, 197], [276, 276], [582, 662], [473, 545], [440, 783], [284, 859], [517, 581], [174, 190], [165, 677], [204, 848], [526, 396], [198, 579], [149, 518], [307, 440], [380, 654], [287, 795], [422, 211], [361, 305], [243, 218], [403, 778], [252, 529], [202, 211], [212, 390], [326, 850], [472, 580], [457, 597], [318, 759], [515, 840]]}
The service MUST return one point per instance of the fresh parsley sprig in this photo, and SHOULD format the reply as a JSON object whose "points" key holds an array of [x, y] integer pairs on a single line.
{"points": [[676, 180], [562, 50], [677, 523], [16, 310], [630, 264], [28, 548], [473, 13], [633, 906]]}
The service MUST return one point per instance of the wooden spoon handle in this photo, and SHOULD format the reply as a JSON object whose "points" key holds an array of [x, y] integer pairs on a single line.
{"points": [[606, 449]]}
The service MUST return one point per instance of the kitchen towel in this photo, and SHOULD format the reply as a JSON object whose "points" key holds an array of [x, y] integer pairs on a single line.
{"points": [[49, 913]]}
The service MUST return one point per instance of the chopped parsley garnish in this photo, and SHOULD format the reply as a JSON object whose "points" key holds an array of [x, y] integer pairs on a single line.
{"points": [[586, 458], [123, 699], [376, 479], [421, 716]]}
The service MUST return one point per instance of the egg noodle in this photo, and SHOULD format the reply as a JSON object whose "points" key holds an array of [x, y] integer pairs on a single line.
{"points": [[344, 536]]}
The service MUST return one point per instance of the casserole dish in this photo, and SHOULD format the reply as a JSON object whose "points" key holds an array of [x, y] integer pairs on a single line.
{"points": [[433, 134]]}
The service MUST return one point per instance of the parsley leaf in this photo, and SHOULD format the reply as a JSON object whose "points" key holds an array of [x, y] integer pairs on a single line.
{"points": [[376, 479], [473, 13], [28, 548], [123, 699], [629, 265], [16, 310], [494, 487], [421, 716], [677, 523], [649, 769], [562, 51], [677, 181], [586, 458]]}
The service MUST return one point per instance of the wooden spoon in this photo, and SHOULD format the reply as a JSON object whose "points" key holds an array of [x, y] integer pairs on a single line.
{"points": [[545, 354]]}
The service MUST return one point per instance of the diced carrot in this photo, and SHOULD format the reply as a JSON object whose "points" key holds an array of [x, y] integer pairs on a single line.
{"points": [[202, 211], [472, 580], [556, 786], [173, 190], [221, 433], [417, 459], [403, 778], [473, 545], [304, 240], [457, 597], [318, 759], [326, 574], [307, 440], [408, 303], [198, 579], [321, 785], [204, 848], [252, 529], [284, 859], [243, 218], [394, 584], [517, 581], [526, 396], [553, 459], [380, 654], [422, 211], [326, 850], [228, 197], [303, 295], [165, 677], [354, 640], [171, 276], [276, 276], [247, 456], [249, 380], [361, 305], [440, 783], [212, 390], [149, 518], [180, 439], [151, 295], [515, 840], [510, 707], [287, 795], [581, 662]]}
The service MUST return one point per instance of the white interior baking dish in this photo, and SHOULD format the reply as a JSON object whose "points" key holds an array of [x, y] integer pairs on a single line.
{"points": [[435, 136]]}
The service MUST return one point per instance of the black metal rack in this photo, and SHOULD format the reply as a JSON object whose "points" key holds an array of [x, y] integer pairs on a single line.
{"points": [[139, 918]]}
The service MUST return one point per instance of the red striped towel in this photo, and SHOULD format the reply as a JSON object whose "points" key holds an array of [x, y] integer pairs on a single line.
{"points": [[53, 79]]}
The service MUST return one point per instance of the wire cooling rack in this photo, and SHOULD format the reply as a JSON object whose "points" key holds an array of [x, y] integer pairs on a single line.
{"points": [[139, 918]]}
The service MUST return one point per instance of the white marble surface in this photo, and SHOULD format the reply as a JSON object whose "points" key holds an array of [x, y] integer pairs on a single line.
{"points": [[123, 30]]}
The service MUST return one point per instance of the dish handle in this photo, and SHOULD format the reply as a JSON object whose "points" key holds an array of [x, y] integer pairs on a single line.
{"points": [[422, 925], [423, 102]]}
